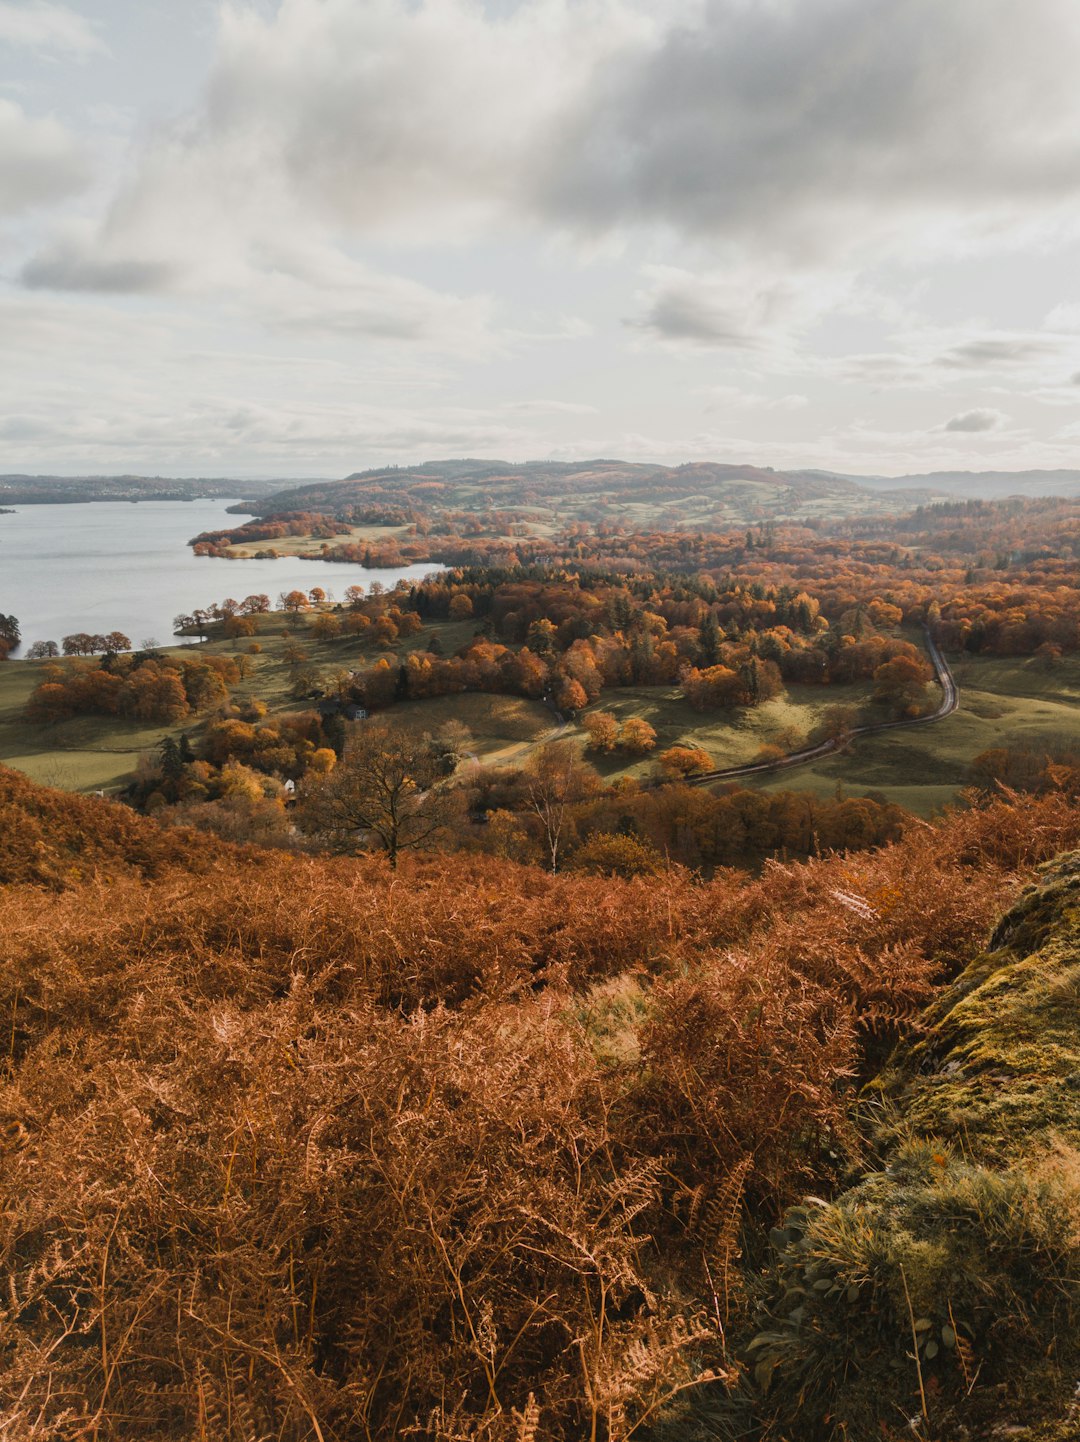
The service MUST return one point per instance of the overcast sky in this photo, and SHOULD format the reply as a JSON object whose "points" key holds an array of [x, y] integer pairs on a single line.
{"points": [[303, 237]]}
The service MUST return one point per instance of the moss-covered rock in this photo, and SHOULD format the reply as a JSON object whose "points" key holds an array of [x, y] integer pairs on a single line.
{"points": [[998, 1069], [940, 1296]]}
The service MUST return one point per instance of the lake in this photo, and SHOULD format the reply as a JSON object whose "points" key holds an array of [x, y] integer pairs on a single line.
{"points": [[119, 566]]}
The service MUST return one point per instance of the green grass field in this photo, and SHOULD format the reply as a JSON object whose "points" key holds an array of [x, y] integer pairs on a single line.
{"points": [[311, 546], [730, 738], [90, 753], [503, 728], [1012, 702], [1003, 702], [1009, 702]]}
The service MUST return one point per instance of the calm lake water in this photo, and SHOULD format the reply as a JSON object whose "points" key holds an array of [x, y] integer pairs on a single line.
{"points": [[115, 566]]}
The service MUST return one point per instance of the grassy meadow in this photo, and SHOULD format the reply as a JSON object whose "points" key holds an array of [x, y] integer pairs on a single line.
{"points": [[730, 738], [1003, 702], [312, 546], [1011, 702], [90, 753]]}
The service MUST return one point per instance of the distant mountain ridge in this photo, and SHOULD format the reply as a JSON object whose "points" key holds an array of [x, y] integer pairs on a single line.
{"points": [[599, 490], [27, 490], [981, 485], [605, 490]]}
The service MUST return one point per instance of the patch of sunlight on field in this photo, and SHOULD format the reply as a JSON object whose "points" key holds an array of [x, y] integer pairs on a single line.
{"points": [[1004, 702], [77, 770], [313, 545], [730, 737], [503, 728]]}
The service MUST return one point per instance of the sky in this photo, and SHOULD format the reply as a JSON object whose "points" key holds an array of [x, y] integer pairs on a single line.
{"points": [[300, 238]]}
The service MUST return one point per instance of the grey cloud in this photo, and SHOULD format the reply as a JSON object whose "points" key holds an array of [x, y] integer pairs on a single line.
{"points": [[975, 421], [682, 316], [799, 123], [69, 268], [883, 369], [802, 130], [728, 311], [40, 162], [810, 128], [1076, 379], [979, 354]]}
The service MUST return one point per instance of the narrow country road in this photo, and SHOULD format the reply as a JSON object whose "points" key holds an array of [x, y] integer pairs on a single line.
{"points": [[950, 699]]}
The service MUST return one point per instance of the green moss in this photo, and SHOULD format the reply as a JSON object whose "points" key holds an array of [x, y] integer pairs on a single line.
{"points": [[998, 1070], [945, 1285]]}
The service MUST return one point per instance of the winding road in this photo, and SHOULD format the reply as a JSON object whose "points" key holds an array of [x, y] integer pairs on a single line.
{"points": [[950, 700]]}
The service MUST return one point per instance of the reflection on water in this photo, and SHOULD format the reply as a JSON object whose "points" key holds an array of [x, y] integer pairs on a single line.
{"points": [[115, 566]]}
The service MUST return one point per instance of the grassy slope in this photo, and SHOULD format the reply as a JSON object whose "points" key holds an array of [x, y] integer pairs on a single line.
{"points": [[311, 546], [503, 727], [730, 738], [90, 753], [1002, 702]]}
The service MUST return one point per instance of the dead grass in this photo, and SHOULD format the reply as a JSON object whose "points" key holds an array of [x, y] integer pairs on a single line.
{"points": [[302, 1148]]}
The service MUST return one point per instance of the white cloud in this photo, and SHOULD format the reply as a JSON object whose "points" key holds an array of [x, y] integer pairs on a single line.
{"points": [[301, 438], [327, 121], [40, 162], [552, 408], [977, 421], [392, 112], [88, 384], [732, 398], [808, 127], [39, 25], [282, 279], [756, 192], [803, 141], [1064, 317], [936, 357], [816, 132]]}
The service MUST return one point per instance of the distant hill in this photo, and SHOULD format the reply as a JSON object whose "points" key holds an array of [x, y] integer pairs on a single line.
{"points": [[676, 497], [602, 490], [72, 490], [979, 485]]}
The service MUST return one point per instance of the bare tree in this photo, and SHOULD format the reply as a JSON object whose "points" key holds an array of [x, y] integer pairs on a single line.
{"points": [[555, 778], [385, 790]]}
